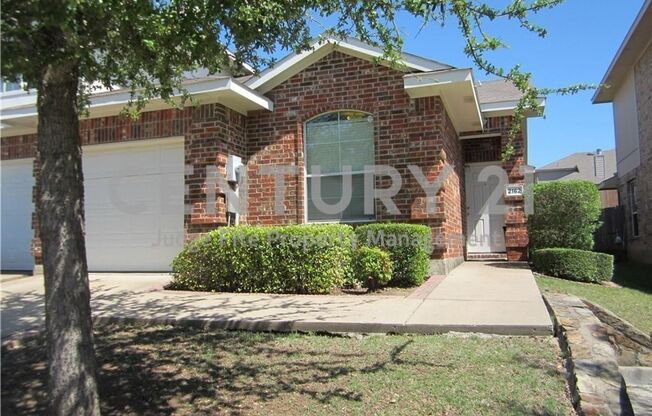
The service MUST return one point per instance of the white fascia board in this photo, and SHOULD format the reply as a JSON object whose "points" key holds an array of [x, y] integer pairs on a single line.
{"points": [[437, 78], [112, 102], [295, 62], [456, 88], [500, 108], [263, 102]]}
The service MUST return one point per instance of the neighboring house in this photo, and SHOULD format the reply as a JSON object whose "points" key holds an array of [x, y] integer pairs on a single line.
{"points": [[333, 106], [628, 85], [595, 167]]}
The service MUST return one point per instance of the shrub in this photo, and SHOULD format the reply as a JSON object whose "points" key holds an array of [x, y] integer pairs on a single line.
{"points": [[580, 265], [282, 259], [409, 247], [566, 214], [372, 267]]}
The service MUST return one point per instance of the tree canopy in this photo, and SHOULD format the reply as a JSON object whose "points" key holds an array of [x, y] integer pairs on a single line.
{"points": [[67, 48], [148, 45]]}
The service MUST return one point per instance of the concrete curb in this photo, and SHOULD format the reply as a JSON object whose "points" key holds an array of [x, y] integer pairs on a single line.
{"points": [[328, 327]]}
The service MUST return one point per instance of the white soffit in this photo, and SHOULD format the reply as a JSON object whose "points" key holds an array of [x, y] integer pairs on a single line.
{"points": [[19, 114], [297, 62], [457, 91], [506, 108]]}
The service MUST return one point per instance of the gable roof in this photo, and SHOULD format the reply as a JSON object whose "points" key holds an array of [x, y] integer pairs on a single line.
{"points": [[296, 62], [580, 166], [637, 39]]}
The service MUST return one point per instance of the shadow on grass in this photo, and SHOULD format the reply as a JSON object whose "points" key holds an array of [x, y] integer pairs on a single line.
{"points": [[634, 275], [162, 370]]}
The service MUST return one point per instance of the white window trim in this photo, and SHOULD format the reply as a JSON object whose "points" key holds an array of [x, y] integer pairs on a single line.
{"points": [[307, 176]]}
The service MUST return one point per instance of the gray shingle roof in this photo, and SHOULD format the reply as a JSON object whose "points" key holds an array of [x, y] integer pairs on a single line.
{"points": [[582, 165], [497, 91]]}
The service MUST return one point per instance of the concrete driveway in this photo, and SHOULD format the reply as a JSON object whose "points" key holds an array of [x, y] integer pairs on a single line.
{"points": [[22, 296], [497, 298]]}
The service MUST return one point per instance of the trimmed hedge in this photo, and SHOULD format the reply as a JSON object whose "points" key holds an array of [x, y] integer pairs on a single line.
{"points": [[409, 247], [372, 267], [580, 265], [566, 214], [280, 259]]}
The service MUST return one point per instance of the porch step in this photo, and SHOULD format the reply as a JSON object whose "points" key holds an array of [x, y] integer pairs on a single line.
{"points": [[486, 256]]}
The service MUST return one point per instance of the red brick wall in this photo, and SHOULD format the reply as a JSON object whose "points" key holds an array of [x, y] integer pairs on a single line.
{"points": [[406, 132], [640, 248], [215, 132], [485, 149], [18, 147]]}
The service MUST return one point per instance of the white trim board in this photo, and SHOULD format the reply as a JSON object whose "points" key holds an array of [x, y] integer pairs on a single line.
{"points": [[19, 114], [296, 62]]}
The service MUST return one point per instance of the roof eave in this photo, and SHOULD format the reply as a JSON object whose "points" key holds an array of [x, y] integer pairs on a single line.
{"points": [[507, 108], [456, 88], [635, 42], [21, 118]]}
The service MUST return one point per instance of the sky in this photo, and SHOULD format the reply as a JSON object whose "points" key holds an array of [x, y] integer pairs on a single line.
{"points": [[583, 37]]}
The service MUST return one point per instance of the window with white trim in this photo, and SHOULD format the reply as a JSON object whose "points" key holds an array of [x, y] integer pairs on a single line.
{"points": [[336, 142], [633, 207]]}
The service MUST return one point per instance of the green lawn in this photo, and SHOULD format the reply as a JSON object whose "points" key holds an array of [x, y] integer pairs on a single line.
{"points": [[167, 370], [632, 302]]}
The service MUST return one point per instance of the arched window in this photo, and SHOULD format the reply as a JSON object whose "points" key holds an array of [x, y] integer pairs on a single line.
{"points": [[336, 143]]}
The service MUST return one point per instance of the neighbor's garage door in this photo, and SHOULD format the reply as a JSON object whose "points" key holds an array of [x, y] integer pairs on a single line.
{"points": [[134, 204], [17, 208]]}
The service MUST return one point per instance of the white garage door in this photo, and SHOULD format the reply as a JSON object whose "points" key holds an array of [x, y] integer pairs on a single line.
{"points": [[17, 208], [134, 204]]}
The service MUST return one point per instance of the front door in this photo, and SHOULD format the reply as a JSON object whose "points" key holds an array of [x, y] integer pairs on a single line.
{"points": [[485, 217]]}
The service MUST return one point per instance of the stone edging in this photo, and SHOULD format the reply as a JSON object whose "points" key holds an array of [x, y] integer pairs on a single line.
{"points": [[591, 361], [619, 324]]}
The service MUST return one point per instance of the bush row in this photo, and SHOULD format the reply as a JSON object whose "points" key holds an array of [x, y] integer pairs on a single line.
{"points": [[303, 258], [283, 259], [567, 263]]}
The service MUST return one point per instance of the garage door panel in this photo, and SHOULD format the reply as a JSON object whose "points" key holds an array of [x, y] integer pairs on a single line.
{"points": [[169, 160], [16, 214], [134, 199]]}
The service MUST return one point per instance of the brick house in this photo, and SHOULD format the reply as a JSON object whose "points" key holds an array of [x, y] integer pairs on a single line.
{"points": [[334, 107], [628, 85]]}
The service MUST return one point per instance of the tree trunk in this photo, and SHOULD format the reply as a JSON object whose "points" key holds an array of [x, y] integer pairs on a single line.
{"points": [[71, 358]]}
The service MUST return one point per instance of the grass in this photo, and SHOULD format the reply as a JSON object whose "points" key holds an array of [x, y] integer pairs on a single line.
{"points": [[632, 302], [168, 370]]}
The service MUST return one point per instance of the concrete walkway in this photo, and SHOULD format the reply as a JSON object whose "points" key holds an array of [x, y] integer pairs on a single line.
{"points": [[498, 298]]}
